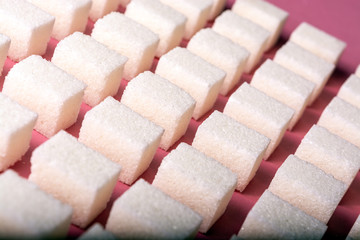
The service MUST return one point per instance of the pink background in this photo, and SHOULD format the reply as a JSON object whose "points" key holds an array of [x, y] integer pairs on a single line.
{"points": [[340, 18]]}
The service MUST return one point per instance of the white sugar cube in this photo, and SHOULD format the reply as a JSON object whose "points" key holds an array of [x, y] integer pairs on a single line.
{"points": [[241, 149], [258, 111], [47, 90], [217, 7], [74, 174], [355, 230], [28, 27], [196, 76], [145, 212], [196, 12], [162, 102], [357, 72], [244, 32], [100, 8], [16, 125], [198, 181], [273, 218], [4, 48], [97, 232], [99, 67], [163, 20], [350, 90], [70, 16], [222, 53], [330, 153], [128, 38], [307, 187], [285, 86], [127, 138], [27, 212], [342, 119], [306, 64], [318, 42], [267, 15]]}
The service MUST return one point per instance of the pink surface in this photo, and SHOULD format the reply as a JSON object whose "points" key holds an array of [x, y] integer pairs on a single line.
{"points": [[339, 18]]}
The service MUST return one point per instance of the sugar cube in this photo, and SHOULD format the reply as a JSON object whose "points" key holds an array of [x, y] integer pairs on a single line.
{"points": [[318, 42], [258, 111], [127, 138], [27, 212], [285, 86], [74, 174], [244, 32], [357, 72], [97, 232], [162, 102], [330, 153], [163, 20], [100, 8], [128, 38], [342, 119], [198, 181], [355, 230], [306, 64], [307, 187], [70, 16], [145, 212], [99, 67], [267, 15], [196, 12], [241, 149], [16, 125], [196, 76], [217, 7], [222, 53], [273, 218], [47, 90], [4, 48], [28, 27], [350, 90]]}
